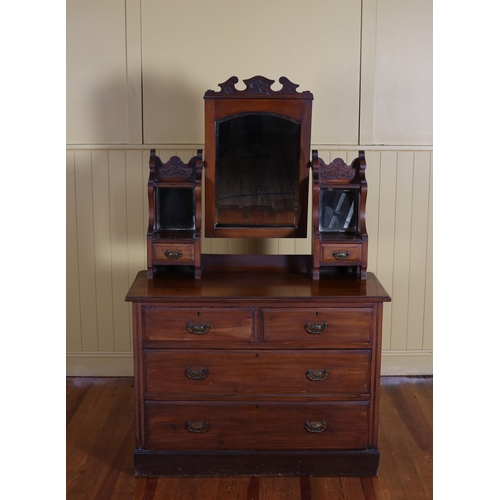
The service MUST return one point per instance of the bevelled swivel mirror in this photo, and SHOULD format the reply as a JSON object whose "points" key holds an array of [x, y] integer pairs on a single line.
{"points": [[257, 146]]}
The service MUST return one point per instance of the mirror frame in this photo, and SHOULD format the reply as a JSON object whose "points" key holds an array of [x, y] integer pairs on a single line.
{"points": [[257, 97]]}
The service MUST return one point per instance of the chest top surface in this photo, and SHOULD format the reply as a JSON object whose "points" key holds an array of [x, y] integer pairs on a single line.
{"points": [[224, 278]]}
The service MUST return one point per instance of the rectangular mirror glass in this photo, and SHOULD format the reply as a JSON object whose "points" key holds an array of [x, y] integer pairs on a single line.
{"points": [[338, 210]]}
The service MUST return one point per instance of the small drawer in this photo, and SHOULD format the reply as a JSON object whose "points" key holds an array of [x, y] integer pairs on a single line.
{"points": [[198, 327], [183, 372], [340, 253], [173, 253], [315, 328], [256, 426]]}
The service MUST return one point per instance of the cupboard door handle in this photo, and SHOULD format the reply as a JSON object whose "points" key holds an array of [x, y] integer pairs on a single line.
{"points": [[197, 427], [173, 254], [315, 426], [315, 328], [197, 328], [341, 255], [196, 373], [316, 375]]}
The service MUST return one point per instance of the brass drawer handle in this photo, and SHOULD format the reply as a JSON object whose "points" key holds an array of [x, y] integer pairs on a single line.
{"points": [[197, 328], [341, 255], [316, 375], [315, 328], [197, 427], [173, 254], [196, 373], [315, 426]]}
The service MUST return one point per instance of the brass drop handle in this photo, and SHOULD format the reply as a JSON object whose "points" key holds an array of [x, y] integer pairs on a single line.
{"points": [[196, 373], [315, 328], [341, 255], [173, 254], [315, 426], [316, 375], [197, 328], [197, 427]]}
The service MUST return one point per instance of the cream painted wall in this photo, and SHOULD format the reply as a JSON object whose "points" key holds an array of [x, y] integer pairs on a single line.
{"points": [[137, 72], [187, 51]]}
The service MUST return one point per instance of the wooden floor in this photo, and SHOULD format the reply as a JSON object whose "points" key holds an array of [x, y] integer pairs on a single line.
{"points": [[100, 443]]}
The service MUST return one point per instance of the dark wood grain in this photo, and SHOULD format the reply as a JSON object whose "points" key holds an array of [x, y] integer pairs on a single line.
{"points": [[97, 473], [305, 488], [253, 491], [222, 365], [75, 393], [413, 468], [280, 488], [326, 488], [246, 372], [231, 426], [90, 435], [249, 278]]}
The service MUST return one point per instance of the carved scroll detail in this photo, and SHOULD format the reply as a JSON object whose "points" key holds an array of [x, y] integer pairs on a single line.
{"points": [[338, 170], [257, 85], [175, 168]]}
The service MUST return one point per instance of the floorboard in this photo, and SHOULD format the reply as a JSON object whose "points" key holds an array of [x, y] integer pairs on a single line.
{"points": [[100, 443]]}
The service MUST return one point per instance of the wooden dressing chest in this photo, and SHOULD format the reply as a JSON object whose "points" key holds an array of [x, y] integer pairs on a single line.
{"points": [[256, 370]]}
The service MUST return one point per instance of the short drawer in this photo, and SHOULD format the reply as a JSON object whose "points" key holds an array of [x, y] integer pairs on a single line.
{"points": [[189, 372], [172, 253], [256, 426], [314, 328], [340, 253], [199, 327]]}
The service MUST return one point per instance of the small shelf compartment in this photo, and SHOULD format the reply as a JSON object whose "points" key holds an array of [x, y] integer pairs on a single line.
{"points": [[174, 194]]}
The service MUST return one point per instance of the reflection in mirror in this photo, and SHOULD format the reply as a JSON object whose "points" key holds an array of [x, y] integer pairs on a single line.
{"points": [[338, 210], [257, 171]]}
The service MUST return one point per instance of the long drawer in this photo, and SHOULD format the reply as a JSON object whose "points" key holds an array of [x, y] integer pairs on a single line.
{"points": [[170, 373], [256, 426], [198, 327], [317, 328]]}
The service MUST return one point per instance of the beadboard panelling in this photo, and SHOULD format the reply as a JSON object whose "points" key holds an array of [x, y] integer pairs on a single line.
{"points": [[73, 320], [106, 244]]}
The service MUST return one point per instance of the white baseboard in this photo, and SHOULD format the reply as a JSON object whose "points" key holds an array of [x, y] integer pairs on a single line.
{"points": [[406, 363], [99, 364], [121, 364]]}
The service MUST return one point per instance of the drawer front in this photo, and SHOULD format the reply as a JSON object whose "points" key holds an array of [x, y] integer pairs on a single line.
{"points": [[313, 328], [180, 372], [256, 426], [198, 327], [340, 253], [173, 253]]}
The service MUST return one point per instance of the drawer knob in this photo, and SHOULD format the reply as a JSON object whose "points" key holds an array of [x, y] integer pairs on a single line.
{"points": [[197, 427], [315, 426], [341, 255], [173, 254], [196, 373], [197, 328], [316, 375], [315, 328]]}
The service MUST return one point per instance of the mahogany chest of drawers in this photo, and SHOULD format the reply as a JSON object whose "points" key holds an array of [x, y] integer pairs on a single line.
{"points": [[256, 372]]}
